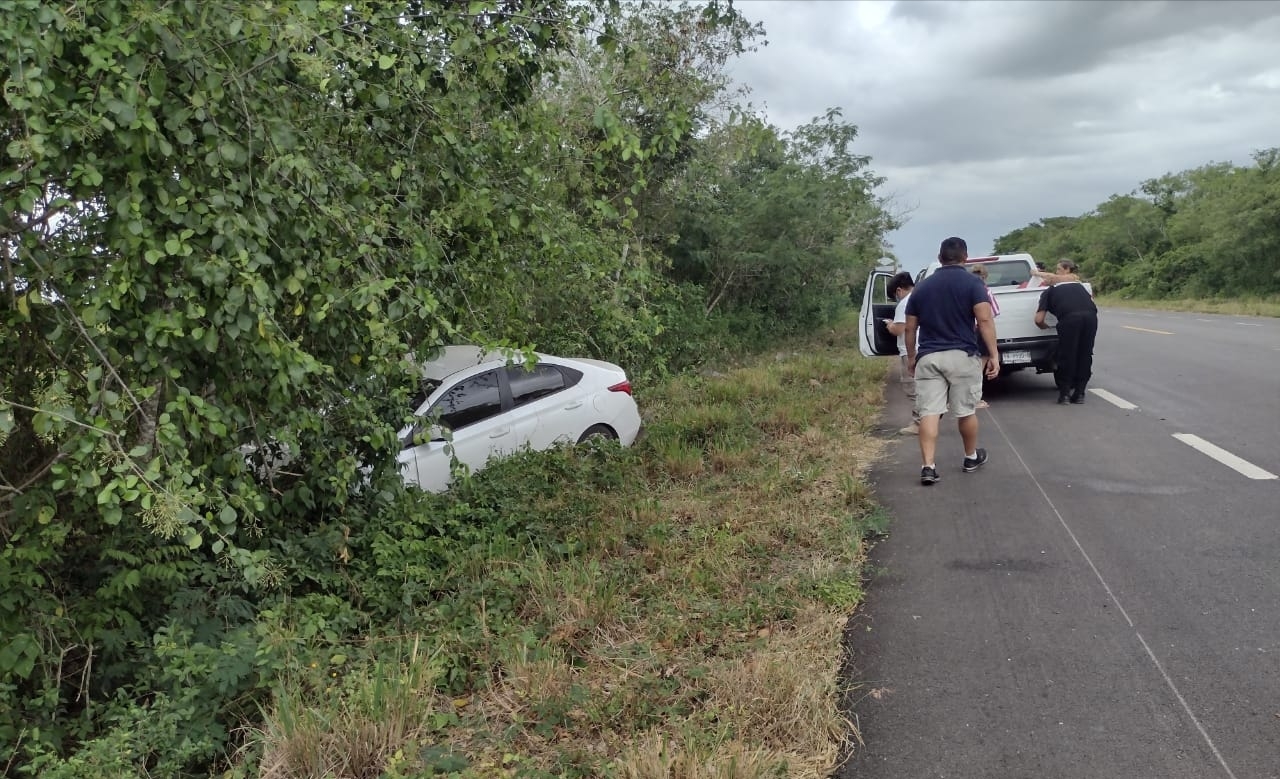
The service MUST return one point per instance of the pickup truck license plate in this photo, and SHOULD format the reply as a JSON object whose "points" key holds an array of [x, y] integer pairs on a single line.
{"points": [[1015, 358]]}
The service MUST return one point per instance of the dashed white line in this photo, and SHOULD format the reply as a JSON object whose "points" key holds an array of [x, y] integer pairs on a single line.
{"points": [[1114, 400], [1146, 330], [1244, 467]]}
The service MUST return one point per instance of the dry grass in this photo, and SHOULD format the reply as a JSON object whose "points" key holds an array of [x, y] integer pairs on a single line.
{"points": [[353, 729]]}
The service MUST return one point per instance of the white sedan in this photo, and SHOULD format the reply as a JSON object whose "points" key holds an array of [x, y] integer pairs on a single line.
{"points": [[491, 406]]}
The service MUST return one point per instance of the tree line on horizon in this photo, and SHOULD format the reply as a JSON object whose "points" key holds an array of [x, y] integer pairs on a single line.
{"points": [[1208, 232]]}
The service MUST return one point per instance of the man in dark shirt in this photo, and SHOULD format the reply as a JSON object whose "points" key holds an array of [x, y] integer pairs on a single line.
{"points": [[947, 364], [1077, 314]]}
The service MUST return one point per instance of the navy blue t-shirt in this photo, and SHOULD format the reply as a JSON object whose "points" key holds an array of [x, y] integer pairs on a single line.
{"points": [[944, 305]]}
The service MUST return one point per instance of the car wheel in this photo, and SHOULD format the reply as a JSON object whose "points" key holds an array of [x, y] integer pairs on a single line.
{"points": [[598, 433]]}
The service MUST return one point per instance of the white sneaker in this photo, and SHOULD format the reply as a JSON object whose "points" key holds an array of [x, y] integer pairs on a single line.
{"points": [[911, 429]]}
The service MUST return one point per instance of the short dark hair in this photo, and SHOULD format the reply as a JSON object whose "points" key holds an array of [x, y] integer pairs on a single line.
{"points": [[1068, 265], [953, 251], [900, 280]]}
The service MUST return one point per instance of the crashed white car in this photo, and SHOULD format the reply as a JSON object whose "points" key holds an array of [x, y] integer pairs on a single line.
{"points": [[479, 405]]}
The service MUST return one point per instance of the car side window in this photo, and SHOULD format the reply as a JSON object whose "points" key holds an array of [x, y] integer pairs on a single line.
{"points": [[469, 401], [529, 385]]}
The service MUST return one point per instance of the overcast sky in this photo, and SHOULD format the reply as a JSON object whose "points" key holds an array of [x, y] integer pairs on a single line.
{"points": [[984, 117]]}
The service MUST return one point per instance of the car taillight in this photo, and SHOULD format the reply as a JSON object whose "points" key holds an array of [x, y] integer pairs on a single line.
{"points": [[622, 386]]}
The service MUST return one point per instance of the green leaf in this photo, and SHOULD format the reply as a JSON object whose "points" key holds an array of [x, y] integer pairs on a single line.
{"points": [[386, 61]]}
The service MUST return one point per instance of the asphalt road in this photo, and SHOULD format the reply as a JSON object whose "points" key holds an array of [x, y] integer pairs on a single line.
{"points": [[1102, 599]]}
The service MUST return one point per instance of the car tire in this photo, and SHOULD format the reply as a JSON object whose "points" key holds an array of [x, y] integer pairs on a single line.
{"points": [[598, 432]]}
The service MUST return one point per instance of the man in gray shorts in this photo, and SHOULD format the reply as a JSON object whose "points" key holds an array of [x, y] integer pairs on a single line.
{"points": [[947, 364]]}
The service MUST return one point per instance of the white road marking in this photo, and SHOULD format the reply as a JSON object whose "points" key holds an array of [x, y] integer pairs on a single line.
{"points": [[1168, 680], [1114, 400], [1145, 330], [1228, 459], [1204, 320], [1249, 324]]}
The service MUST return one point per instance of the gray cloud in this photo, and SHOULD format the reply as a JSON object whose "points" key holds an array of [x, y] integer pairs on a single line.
{"points": [[986, 116]]}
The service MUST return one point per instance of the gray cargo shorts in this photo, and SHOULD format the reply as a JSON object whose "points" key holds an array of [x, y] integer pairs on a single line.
{"points": [[948, 379]]}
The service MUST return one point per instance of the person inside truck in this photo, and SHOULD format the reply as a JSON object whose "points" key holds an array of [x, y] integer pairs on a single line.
{"points": [[1072, 303], [946, 361], [899, 288]]}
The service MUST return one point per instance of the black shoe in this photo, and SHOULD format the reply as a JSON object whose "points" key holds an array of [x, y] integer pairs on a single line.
{"points": [[972, 464], [1077, 397], [928, 475], [1063, 399]]}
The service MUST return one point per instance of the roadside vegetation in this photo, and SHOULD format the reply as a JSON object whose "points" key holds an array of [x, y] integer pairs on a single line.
{"points": [[224, 226], [1237, 306]]}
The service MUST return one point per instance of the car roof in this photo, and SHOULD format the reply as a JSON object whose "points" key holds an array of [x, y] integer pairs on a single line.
{"points": [[449, 360]]}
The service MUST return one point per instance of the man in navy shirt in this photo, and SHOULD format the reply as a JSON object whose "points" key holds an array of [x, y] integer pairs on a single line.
{"points": [[947, 363]]}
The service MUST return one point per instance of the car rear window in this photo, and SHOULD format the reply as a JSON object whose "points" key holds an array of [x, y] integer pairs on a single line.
{"points": [[1006, 274]]}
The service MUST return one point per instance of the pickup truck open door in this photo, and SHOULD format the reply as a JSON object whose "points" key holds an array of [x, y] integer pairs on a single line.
{"points": [[874, 339]]}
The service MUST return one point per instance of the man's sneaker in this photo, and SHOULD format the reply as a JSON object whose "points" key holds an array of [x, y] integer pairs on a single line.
{"points": [[1077, 397], [911, 429], [928, 475], [972, 464], [1063, 398]]}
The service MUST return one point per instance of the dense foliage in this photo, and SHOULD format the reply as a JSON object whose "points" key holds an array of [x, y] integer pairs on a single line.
{"points": [[225, 225], [1209, 232]]}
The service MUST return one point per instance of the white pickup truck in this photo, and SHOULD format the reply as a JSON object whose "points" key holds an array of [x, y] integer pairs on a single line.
{"points": [[1017, 292]]}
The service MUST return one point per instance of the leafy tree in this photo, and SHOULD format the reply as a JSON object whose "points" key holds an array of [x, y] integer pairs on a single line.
{"points": [[1213, 230], [779, 224], [224, 225]]}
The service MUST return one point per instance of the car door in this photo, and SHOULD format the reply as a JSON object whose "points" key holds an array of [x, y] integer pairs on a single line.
{"points": [[547, 404], [874, 338], [471, 409]]}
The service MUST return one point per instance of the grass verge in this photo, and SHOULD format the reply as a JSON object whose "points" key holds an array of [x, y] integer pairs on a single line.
{"points": [[672, 610], [1238, 307]]}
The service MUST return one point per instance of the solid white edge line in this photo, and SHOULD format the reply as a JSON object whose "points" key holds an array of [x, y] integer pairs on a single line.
{"points": [[1159, 666], [1114, 400], [1244, 467]]}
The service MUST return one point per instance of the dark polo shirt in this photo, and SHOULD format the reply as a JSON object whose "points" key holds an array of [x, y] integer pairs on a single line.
{"points": [[944, 305], [1066, 298]]}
